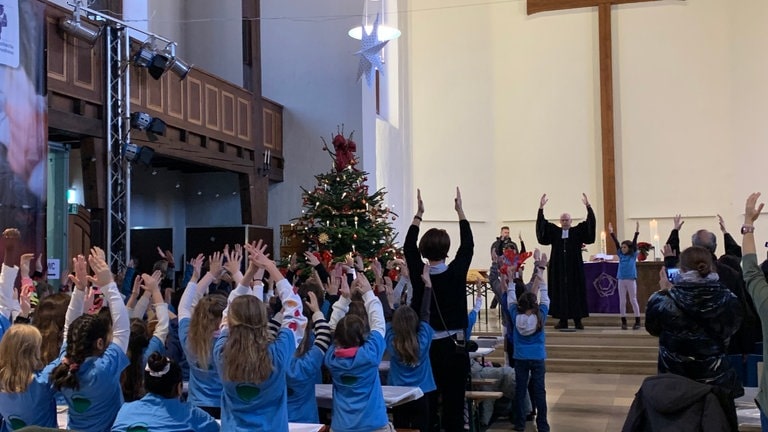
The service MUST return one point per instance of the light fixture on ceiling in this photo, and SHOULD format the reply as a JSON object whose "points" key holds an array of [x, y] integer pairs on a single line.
{"points": [[74, 27], [385, 32]]}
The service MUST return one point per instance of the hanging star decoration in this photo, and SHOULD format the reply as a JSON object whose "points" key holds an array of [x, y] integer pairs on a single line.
{"points": [[370, 53]]}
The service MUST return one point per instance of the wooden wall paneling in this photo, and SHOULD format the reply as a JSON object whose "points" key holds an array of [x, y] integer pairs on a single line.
{"points": [[85, 66], [212, 107], [228, 113], [244, 120], [154, 93], [56, 52], [136, 81], [78, 234], [194, 101], [175, 98], [269, 131]]}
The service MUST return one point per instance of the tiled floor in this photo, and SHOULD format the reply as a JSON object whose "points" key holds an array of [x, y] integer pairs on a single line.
{"points": [[585, 402]]}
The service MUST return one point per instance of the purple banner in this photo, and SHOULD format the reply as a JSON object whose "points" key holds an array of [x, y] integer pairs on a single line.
{"points": [[602, 287]]}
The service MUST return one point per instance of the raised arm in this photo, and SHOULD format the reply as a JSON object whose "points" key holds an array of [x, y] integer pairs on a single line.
{"points": [[372, 305], [544, 228], [121, 328], [463, 258], [614, 238], [411, 252], [195, 291], [152, 285], [77, 300], [8, 273], [634, 238]]}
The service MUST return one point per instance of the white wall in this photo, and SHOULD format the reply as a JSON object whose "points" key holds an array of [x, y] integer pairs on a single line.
{"points": [[309, 67], [507, 106]]}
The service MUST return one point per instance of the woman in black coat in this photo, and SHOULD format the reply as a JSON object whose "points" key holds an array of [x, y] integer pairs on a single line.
{"points": [[694, 318]]}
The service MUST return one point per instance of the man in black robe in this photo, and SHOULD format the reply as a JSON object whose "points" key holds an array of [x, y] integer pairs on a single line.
{"points": [[565, 273]]}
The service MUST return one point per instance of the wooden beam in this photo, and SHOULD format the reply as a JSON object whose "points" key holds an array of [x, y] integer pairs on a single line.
{"points": [[75, 124], [606, 119], [536, 6]]}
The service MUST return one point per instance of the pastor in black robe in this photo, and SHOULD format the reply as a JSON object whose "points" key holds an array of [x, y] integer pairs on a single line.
{"points": [[565, 274]]}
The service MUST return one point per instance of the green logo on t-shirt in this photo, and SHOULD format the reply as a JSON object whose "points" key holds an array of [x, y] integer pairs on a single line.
{"points": [[16, 423], [80, 404], [248, 392], [348, 379], [138, 427]]}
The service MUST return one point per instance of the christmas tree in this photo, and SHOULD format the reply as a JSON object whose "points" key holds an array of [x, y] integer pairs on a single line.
{"points": [[340, 216]]}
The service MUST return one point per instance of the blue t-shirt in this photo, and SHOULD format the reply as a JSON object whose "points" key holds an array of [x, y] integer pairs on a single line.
{"points": [[156, 413], [93, 407], [36, 406], [358, 400], [302, 375], [627, 266], [529, 347], [419, 375], [155, 345], [204, 384], [257, 407]]}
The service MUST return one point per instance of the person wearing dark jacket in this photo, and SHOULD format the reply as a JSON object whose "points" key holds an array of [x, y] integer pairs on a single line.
{"points": [[672, 402], [694, 320], [450, 362], [731, 276]]}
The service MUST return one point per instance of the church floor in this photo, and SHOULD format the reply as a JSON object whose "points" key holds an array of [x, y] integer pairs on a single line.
{"points": [[585, 402]]}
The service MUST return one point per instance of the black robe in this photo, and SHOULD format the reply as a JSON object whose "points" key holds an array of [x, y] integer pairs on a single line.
{"points": [[565, 274]]}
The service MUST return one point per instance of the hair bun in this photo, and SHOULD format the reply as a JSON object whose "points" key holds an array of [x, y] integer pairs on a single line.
{"points": [[157, 362], [703, 268]]}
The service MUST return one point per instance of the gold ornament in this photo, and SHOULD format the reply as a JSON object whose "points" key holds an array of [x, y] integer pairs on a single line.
{"points": [[323, 238]]}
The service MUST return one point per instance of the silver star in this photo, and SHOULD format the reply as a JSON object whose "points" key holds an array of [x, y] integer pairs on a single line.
{"points": [[370, 57]]}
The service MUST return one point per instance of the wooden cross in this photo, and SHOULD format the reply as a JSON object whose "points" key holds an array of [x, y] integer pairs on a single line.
{"points": [[606, 90]]}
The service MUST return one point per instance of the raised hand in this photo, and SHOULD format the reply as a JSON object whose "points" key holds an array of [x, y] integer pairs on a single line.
{"points": [[419, 203], [667, 251], [610, 228], [98, 253], [39, 263], [751, 209], [233, 258], [80, 278], [637, 226], [215, 262], [197, 267], [678, 222], [24, 299], [544, 261], [722, 224], [311, 259], [361, 284], [377, 271], [664, 283], [425, 276], [24, 264], [102, 273], [457, 204], [359, 264], [584, 199], [136, 288], [344, 287], [536, 255], [543, 201], [312, 303]]}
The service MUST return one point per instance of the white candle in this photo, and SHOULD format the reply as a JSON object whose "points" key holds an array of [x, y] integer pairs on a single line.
{"points": [[355, 222], [269, 157], [655, 246], [265, 157], [602, 242], [653, 228]]}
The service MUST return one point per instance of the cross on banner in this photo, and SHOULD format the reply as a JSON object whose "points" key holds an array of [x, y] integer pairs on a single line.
{"points": [[606, 90]]}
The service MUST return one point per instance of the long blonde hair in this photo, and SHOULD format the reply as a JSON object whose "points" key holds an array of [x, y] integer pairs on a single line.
{"points": [[203, 323], [245, 355], [19, 358]]}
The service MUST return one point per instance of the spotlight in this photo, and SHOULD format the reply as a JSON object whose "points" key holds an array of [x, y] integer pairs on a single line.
{"points": [[145, 122], [148, 57], [180, 68], [138, 154], [73, 26], [158, 65], [144, 55]]}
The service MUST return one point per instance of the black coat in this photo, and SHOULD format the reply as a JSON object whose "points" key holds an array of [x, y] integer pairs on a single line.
{"points": [[694, 323], [670, 402], [565, 273]]}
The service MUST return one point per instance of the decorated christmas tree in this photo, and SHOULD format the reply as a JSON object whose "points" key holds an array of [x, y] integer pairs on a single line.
{"points": [[340, 216]]}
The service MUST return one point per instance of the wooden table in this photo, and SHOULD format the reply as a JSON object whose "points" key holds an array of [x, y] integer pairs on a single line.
{"points": [[393, 395]]}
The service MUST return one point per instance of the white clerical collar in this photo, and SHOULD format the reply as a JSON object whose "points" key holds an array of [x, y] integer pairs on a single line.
{"points": [[565, 234]]}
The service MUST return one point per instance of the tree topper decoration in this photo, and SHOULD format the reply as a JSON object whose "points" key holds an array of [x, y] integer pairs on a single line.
{"points": [[370, 53]]}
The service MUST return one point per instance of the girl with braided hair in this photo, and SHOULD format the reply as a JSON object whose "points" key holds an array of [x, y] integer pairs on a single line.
{"points": [[93, 355], [163, 383], [253, 367]]}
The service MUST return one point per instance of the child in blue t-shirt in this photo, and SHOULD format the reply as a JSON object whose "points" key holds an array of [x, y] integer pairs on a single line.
{"points": [[88, 375], [199, 318], [627, 276], [353, 360], [252, 367], [161, 409], [304, 370], [408, 338], [529, 317]]}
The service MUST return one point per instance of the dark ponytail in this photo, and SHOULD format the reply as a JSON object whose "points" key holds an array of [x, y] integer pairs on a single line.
{"points": [[162, 376], [133, 376], [81, 344]]}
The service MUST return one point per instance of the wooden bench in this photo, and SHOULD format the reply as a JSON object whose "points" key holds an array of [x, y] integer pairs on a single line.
{"points": [[472, 397], [483, 382]]}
